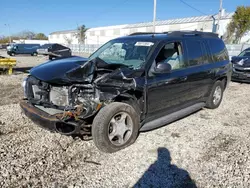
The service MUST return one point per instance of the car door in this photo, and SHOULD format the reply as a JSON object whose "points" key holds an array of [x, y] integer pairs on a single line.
{"points": [[200, 67], [167, 92], [21, 49]]}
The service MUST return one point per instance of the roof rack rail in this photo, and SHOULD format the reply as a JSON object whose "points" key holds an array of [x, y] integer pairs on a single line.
{"points": [[192, 33], [144, 33], [180, 33]]}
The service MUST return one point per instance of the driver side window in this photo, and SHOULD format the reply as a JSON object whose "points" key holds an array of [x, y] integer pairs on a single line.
{"points": [[172, 54]]}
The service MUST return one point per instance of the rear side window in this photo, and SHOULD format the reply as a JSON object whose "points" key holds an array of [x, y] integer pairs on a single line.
{"points": [[195, 50], [218, 50]]}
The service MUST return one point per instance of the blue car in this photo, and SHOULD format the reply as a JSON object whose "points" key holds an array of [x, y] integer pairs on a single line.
{"points": [[15, 49]]}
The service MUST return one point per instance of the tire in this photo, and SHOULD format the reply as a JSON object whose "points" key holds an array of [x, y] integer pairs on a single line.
{"points": [[103, 122], [213, 100], [34, 54], [50, 57], [12, 54]]}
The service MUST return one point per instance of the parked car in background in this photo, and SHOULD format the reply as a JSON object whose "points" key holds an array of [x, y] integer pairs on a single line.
{"points": [[241, 66], [15, 49], [54, 50], [3, 46], [130, 84]]}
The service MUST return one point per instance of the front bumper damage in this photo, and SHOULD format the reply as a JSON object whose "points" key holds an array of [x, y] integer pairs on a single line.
{"points": [[53, 123], [39, 117]]}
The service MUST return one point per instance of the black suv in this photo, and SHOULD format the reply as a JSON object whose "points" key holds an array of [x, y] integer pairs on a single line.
{"points": [[130, 84]]}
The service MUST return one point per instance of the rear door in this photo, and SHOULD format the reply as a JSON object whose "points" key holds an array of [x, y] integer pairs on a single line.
{"points": [[200, 67]]}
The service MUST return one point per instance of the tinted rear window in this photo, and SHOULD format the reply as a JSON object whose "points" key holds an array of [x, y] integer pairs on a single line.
{"points": [[218, 50], [195, 52], [46, 45]]}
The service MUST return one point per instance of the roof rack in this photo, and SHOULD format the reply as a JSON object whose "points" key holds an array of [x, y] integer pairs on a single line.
{"points": [[180, 33], [144, 33], [192, 33]]}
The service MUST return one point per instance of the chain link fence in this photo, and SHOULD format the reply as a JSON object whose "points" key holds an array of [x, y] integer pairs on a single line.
{"points": [[87, 49], [235, 49], [84, 48]]}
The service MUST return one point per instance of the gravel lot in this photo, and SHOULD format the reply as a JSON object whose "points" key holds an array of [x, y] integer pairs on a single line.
{"points": [[210, 148]]}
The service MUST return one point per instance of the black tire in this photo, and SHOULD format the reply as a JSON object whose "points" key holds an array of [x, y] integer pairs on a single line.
{"points": [[34, 54], [12, 54], [211, 104], [101, 124]]}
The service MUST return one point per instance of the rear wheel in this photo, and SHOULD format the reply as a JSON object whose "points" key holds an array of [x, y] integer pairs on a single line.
{"points": [[216, 95], [115, 127], [34, 54], [12, 54]]}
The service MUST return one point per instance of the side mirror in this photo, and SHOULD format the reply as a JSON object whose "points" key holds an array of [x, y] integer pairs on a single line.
{"points": [[162, 68]]}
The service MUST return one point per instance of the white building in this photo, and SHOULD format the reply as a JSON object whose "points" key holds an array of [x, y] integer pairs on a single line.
{"points": [[100, 35], [63, 37], [27, 41]]}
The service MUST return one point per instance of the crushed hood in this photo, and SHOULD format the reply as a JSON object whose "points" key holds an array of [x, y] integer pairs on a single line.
{"points": [[54, 71], [74, 70]]}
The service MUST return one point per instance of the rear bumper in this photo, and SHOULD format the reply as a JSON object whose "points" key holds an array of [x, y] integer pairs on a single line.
{"points": [[39, 117]]}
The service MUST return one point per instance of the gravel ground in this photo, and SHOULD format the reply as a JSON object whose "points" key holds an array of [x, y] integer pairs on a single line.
{"points": [[210, 148]]}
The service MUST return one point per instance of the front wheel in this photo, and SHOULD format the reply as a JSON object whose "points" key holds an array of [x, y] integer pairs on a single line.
{"points": [[12, 54], [216, 95], [115, 127], [50, 57]]}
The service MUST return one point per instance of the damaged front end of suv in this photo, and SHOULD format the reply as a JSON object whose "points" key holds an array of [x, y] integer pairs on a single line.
{"points": [[67, 104], [65, 95]]}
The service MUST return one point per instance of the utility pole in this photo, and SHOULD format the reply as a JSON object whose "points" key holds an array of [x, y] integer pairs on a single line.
{"points": [[8, 25], [219, 17], [154, 16]]}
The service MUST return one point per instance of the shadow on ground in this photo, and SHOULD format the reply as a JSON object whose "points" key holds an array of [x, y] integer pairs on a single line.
{"points": [[163, 174], [22, 69]]}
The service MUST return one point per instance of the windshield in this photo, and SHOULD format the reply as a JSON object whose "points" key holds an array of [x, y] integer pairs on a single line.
{"points": [[245, 53], [132, 53]]}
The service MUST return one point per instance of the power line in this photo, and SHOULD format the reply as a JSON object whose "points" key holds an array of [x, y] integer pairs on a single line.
{"points": [[193, 7]]}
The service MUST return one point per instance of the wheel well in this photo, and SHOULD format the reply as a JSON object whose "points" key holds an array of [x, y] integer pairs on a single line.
{"points": [[133, 100], [224, 81]]}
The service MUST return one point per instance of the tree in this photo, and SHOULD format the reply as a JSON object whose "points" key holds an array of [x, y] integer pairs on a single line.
{"points": [[41, 36], [4, 40], [239, 25], [26, 35], [81, 34]]}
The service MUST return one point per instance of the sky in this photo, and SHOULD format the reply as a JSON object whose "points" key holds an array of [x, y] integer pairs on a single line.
{"points": [[47, 16]]}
